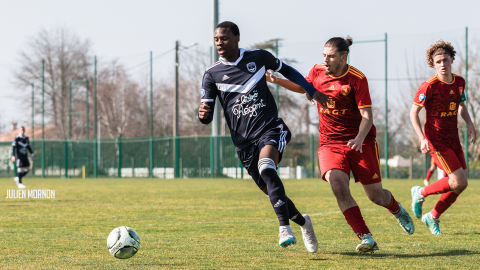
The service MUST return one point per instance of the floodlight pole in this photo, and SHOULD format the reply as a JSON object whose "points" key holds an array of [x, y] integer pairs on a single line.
{"points": [[215, 142], [95, 137]]}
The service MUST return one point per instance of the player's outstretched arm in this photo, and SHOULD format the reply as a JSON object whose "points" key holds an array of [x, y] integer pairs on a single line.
{"points": [[365, 126], [294, 76], [418, 129], [284, 83], [463, 111]]}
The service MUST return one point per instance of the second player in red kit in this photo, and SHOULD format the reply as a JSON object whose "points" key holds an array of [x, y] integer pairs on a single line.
{"points": [[347, 139], [443, 97]]}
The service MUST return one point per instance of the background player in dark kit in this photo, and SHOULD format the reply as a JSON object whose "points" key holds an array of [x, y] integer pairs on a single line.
{"points": [[238, 79], [20, 149]]}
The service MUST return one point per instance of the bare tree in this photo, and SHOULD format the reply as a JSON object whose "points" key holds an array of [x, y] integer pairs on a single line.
{"points": [[67, 57], [118, 97]]}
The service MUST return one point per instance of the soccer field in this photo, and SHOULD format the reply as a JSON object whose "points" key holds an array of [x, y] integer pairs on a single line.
{"points": [[221, 224]]}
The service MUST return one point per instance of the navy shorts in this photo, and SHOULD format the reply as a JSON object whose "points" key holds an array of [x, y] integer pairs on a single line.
{"points": [[279, 136], [22, 162]]}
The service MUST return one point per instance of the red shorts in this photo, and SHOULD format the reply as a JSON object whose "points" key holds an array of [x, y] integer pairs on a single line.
{"points": [[364, 166], [449, 160]]}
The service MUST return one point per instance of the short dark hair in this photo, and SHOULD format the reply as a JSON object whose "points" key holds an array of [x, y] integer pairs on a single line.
{"points": [[22, 127], [341, 44], [230, 25]]}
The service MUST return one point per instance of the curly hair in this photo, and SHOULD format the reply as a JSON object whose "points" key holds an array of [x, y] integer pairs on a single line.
{"points": [[438, 48]]}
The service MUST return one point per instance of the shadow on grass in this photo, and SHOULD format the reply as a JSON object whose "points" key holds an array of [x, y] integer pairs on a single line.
{"points": [[465, 233], [449, 253]]}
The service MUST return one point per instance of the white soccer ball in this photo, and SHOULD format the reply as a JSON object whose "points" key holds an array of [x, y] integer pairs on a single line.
{"points": [[123, 242]]}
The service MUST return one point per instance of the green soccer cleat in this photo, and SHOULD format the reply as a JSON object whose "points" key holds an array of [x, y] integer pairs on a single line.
{"points": [[287, 238], [432, 223], [367, 244], [404, 220], [417, 201]]}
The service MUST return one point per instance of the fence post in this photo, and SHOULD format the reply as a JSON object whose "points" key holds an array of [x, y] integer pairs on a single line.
{"points": [[212, 158], [66, 158], [465, 133], [312, 160], [177, 156], [386, 176], [43, 118], [119, 145]]}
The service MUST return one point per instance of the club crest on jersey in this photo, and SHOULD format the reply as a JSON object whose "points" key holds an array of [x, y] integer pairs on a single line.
{"points": [[346, 90], [422, 97], [453, 105], [252, 67], [331, 104]]}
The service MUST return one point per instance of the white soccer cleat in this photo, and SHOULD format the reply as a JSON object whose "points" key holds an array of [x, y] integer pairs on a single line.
{"points": [[425, 182], [287, 238], [367, 244], [309, 237], [16, 180], [20, 185], [404, 220]]}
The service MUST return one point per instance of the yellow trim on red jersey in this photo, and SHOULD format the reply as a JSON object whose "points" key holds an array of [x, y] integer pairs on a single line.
{"points": [[444, 163], [364, 106], [446, 82], [348, 70], [432, 79], [378, 155], [358, 71], [356, 74], [421, 105]]}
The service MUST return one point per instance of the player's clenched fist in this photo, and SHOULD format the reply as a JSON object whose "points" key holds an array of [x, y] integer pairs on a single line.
{"points": [[204, 111]]}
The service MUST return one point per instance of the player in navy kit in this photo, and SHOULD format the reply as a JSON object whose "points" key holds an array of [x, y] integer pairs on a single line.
{"points": [[20, 149], [238, 80]]}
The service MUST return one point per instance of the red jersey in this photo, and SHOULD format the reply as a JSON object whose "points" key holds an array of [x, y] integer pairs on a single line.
{"points": [[348, 93], [441, 101]]}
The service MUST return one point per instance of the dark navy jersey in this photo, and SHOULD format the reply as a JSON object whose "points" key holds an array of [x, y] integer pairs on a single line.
{"points": [[242, 90], [21, 147]]}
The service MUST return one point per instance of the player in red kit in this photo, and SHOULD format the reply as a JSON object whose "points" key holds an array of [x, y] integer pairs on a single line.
{"points": [[347, 138], [443, 97]]}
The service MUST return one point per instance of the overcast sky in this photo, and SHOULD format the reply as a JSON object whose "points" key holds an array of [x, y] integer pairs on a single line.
{"points": [[128, 30]]}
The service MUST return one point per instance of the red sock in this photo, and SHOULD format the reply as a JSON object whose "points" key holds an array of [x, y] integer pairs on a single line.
{"points": [[439, 187], [429, 173], [393, 207], [445, 201], [355, 220]]}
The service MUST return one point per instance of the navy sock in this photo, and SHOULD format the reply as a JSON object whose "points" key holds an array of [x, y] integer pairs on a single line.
{"points": [[294, 214], [20, 176], [276, 191]]}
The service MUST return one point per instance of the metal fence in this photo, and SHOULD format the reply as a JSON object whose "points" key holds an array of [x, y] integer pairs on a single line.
{"points": [[180, 157]]}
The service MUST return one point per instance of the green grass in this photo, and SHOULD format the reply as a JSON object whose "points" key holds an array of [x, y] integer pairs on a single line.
{"points": [[221, 223]]}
